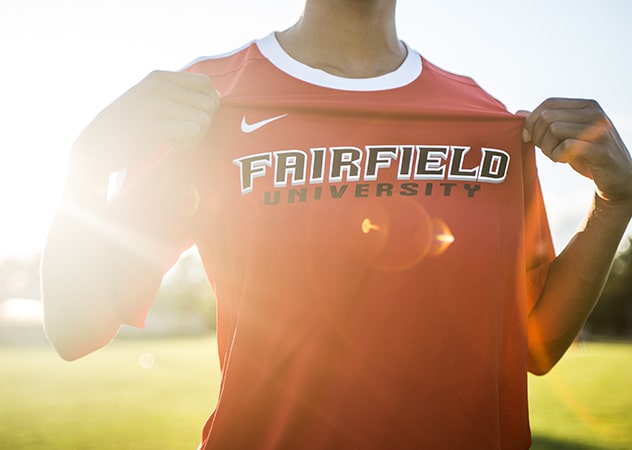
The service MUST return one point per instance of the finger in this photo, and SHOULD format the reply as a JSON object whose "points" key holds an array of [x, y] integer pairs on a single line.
{"points": [[188, 88], [553, 104], [179, 134], [171, 110], [195, 81], [570, 149], [574, 152], [548, 138], [208, 102], [549, 117]]}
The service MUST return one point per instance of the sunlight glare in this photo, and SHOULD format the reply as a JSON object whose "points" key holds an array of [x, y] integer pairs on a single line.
{"points": [[443, 238], [21, 310], [367, 226]]}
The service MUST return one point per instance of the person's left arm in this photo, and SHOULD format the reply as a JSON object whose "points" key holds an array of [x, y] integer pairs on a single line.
{"points": [[579, 133]]}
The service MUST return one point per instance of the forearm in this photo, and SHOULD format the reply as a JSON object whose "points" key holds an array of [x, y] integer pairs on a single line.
{"points": [[574, 282], [77, 284]]}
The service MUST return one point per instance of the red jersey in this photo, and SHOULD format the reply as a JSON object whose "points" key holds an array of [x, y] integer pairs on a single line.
{"points": [[374, 246]]}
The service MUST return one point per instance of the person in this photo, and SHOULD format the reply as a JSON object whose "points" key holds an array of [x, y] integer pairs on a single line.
{"points": [[372, 225]]}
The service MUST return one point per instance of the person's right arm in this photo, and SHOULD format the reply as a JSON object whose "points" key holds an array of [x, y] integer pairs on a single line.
{"points": [[81, 296]]}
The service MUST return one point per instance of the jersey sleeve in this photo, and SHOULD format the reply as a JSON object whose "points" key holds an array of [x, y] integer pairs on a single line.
{"points": [[150, 223], [539, 248]]}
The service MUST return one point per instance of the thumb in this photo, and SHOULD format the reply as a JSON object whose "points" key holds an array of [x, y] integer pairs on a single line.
{"points": [[526, 135]]}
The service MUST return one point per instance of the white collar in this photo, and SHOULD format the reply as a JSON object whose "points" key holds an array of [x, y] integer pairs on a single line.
{"points": [[407, 72]]}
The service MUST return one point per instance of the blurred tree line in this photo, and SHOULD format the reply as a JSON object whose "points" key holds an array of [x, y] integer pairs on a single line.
{"points": [[19, 278], [186, 293], [613, 314]]}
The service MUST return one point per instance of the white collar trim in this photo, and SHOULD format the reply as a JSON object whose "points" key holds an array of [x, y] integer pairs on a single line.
{"points": [[406, 73]]}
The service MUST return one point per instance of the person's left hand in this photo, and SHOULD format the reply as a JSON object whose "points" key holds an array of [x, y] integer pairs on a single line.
{"points": [[579, 132]]}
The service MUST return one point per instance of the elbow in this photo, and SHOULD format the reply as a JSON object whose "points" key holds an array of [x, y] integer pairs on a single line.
{"points": [[543, 357], [64, 348], [546, 345], [67, 353], [539, 368], [72, 344], [76, 322], [75, 333]]}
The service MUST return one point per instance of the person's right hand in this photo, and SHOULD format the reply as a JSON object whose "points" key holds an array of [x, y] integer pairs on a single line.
{"points": [[164, 110]]}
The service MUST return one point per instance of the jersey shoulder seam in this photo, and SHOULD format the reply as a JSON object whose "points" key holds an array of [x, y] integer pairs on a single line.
{"points": [[246, 56]]}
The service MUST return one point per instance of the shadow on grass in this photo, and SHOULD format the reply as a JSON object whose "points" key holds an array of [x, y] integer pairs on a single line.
{"points": [[549, 443]]}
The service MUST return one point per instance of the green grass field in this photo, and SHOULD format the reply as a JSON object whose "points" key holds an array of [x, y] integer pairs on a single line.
{"points": [[107, 400], [585, 402], [156, 394]]}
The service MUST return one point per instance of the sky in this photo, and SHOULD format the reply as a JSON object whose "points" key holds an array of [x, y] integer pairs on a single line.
{"points": [[61, 62]]}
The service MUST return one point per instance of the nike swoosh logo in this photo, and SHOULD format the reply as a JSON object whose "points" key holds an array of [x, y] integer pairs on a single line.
{"points": [[250, 127]]}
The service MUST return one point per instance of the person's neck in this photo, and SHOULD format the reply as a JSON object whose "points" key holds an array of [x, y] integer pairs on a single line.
{"points": [[352, 38]]}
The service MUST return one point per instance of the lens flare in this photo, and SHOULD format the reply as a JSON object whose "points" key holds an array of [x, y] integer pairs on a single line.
{"points": [[396, 235], [367, 226], [146, 360], [442, 238]]}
